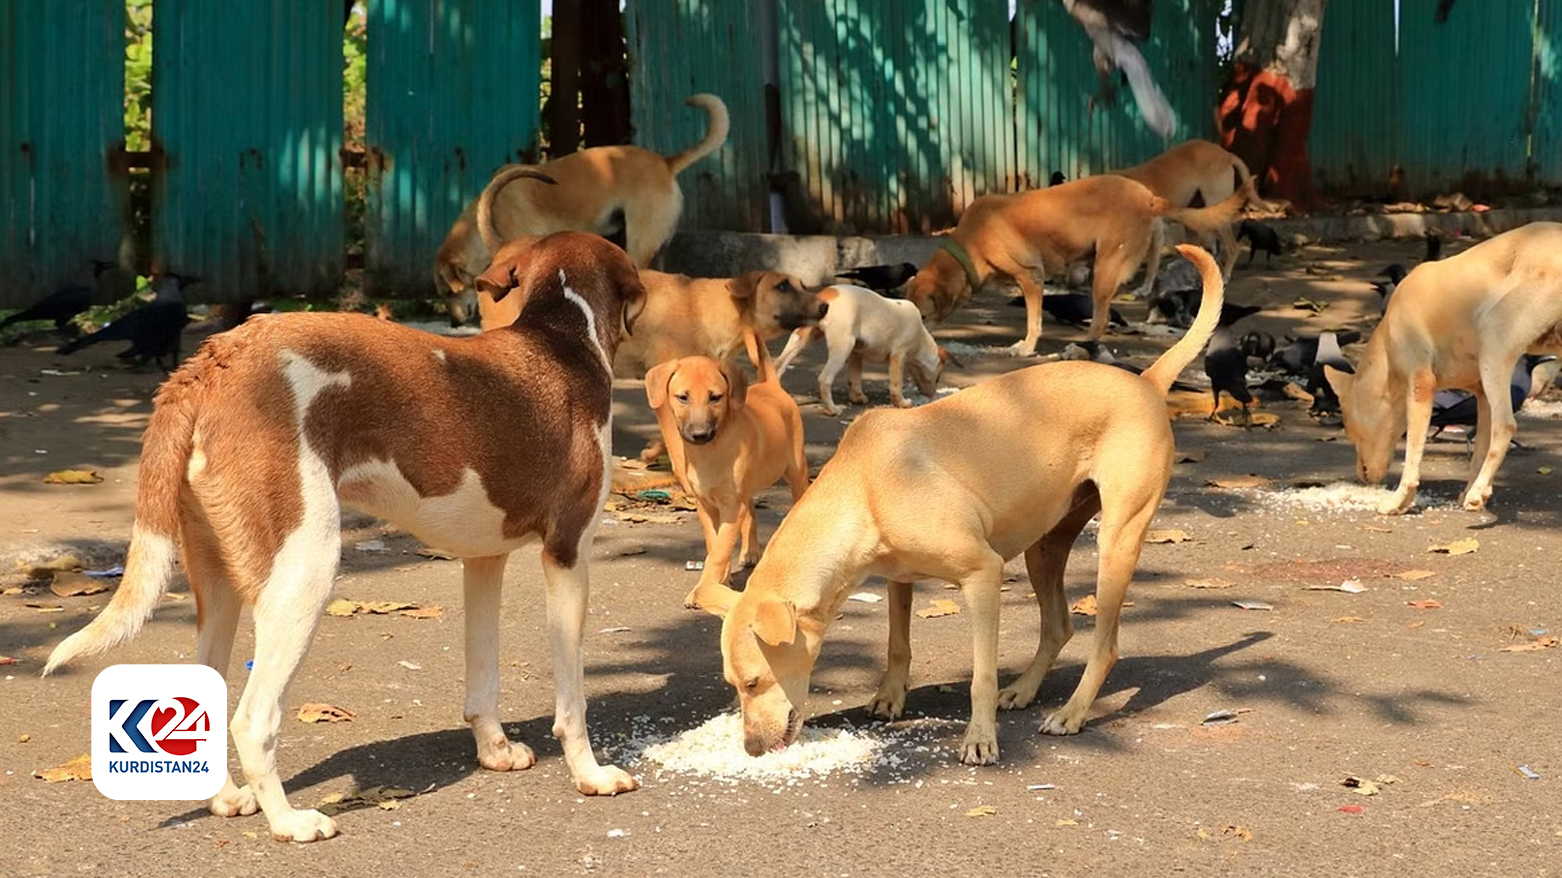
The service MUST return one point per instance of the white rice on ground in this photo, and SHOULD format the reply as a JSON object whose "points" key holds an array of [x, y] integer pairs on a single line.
{"points": [[1339, 497]]}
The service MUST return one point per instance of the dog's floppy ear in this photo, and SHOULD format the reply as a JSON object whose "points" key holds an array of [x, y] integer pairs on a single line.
{"points": [[498, 280], [775, 622], [632, 292], [716, 599], [945, 358], [1340, 380], [746, 285], [737, 384], [656, 382]]}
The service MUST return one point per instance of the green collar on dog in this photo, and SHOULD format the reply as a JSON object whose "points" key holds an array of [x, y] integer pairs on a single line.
{"points": [[954, 248]]}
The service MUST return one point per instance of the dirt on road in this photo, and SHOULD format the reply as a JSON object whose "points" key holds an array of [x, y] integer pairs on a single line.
{"points": [[1409, 680]]}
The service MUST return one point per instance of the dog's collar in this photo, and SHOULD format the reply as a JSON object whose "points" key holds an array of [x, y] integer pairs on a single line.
{"points": [[955, 249]]}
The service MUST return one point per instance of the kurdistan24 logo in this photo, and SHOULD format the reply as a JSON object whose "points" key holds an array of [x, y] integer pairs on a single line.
{"points": [[159, 732], [175, 726]]}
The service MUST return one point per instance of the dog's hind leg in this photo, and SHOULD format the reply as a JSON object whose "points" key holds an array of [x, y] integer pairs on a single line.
{"points": [[1228, 251], [1045, 562], [827, 373], [1125, 517], [482, 581], [794, 346], [854, 390], [1492, 436], [890, 701], [217, 608], [286, 613], [568, 587], [1153, 255]]}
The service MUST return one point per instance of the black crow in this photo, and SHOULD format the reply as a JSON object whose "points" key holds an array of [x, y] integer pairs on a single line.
{"points": [[65, 303], [1434, 247], [1114, 27], [1175, 293], [1226, 366], [1075, 309], [1258, 345], [1457, 408], [881, 278], [153, 330], [1328, 353], [1261, 236], [1297, 357], [1056, 179], [1393, 275]]}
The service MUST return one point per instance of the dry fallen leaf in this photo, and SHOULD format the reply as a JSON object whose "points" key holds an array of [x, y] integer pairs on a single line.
{"points": [[423, 612], [79, 768], [69, 584], [44, 608], [1166, 536], [1085, 606], [345, 607], [1426, 604], [1064, 821], [1415, 575], [45, 569], [1458, 547], [1248, 481], [1345, 619], [1377, 530], [1208, 583], [1241, 832], [72, 477], [1532, 646], [982, 811], [382, 797], [1360, 786], [939, 607], [318, 712]]}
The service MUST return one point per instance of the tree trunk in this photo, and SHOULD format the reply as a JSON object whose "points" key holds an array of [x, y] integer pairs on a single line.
{"points": [[604, 74], [1265, 110], [562, 111]]}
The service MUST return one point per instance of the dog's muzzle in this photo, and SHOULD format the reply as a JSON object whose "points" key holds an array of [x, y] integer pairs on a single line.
{"points": [[698, 437]]}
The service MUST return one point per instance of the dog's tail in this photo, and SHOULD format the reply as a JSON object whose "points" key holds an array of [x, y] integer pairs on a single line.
{"points": [[1244, 180], [715, 133], [1204, 220], [1164, 371], [485, 202], [165, 457]]}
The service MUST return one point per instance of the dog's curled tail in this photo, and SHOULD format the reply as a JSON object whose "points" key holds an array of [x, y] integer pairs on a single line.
{"points": [[1165, 370], [1245, 184], [165, 457], [485, 202], [1204, 220], [717, 124]]}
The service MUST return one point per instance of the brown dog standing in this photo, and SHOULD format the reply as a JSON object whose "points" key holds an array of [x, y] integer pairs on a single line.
{"points": [[1201, 171], [728, 441], [919, 494], [1033, 234]]}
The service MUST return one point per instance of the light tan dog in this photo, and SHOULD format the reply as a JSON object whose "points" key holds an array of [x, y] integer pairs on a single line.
{"points": [[918, 494], [1033, 234], [609, 190], [728, 441], [1198, 170], [1458, 323], [859, 325], [479, 445]]}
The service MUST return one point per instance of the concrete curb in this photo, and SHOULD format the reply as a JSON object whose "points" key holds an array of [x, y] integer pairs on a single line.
{"points": [[816, 258]]}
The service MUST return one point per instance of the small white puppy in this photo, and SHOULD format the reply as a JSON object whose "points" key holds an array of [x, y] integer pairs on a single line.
{"points": [[860, 324]]}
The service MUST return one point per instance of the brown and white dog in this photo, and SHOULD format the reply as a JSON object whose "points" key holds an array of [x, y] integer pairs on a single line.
{"points": [[1458, 323], [1033, 234], [728, 441], [1198, 171], [916, 494], [859, 325], [479, 445], [607, 190]]}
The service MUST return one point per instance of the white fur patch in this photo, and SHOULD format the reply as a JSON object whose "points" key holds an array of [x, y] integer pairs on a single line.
{"points": [[197, 462], [591, 319], [464, 521], [307, 381], [439, 354]]}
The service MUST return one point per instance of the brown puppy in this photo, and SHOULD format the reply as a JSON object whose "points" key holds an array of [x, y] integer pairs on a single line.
{"points": [[1198, 171], [479, 445], [917, 494], [605, 189], [728, 441], [1033, 234], [1458, 323]]}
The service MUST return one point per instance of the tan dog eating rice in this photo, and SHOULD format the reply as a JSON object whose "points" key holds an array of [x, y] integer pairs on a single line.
{"points": [[923, 494]]}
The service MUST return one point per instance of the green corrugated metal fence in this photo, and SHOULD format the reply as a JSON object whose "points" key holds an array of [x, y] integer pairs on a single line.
{"points": [[61, 121], [452, 95], [1466, 104], [682, 47], [248, 112]]}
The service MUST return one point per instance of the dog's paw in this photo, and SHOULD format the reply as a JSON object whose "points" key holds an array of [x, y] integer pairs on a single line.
{"points": [[830, 410], [889, 703], [1398, 504], [858, 397], [1062, 723], [234, 801], [979, 748], [1021, 349], [901, 403], [302, 826], [504, 754], [1475, 500], [1016, 697], [606, 780]]}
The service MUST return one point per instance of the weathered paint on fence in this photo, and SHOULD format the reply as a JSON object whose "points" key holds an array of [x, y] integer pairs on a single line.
{"points": [[452, 96], [1059, 130], [682, 47], [248, 111], [1468, 103], [895, 115], [61, 119]]}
